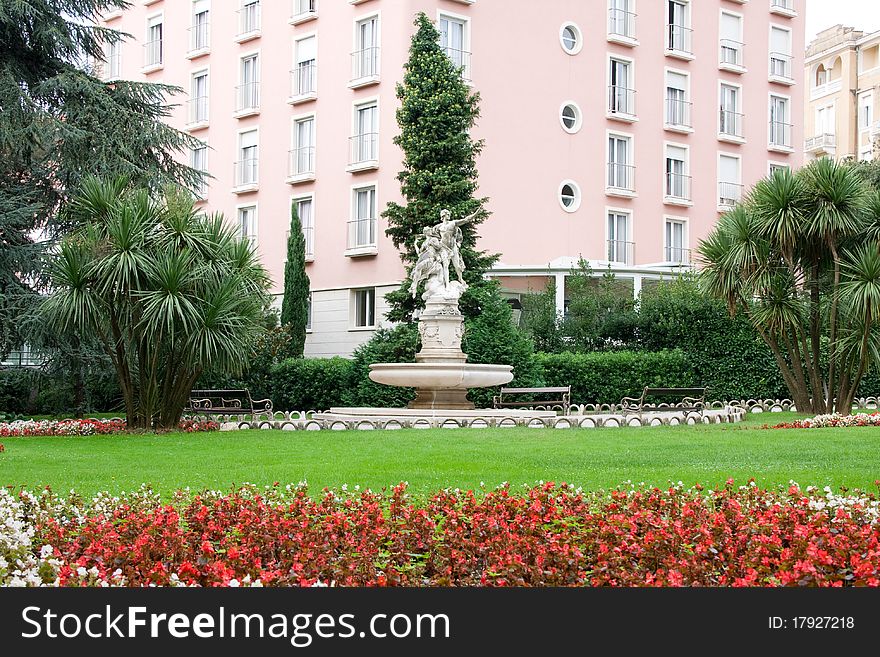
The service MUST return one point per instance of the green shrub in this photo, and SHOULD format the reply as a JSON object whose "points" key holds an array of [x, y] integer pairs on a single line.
{"points": [[607, 377], [395, 345], [28, 391], [306, 384]]}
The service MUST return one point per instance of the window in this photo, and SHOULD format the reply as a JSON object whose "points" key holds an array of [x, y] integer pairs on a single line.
{"points": [[198, 160], [620, 171], [620, 247], [622, 19], [303, 155], [780, 53], [773, 168], [248, 159], [866, 111], [676, 242], [247, 223], [570, 38], [729, 185], [453, 40], [305, 72], [364, 308], [678, 37], [365, 142], [621, 97], [780, 125], [731, 40], [249, 18], [731, 124], [569, 196], [570, 117], [821, 76], [678, 182], [199, 38], [309, 312], [249, 88], [198, 112], [305, 210], [678, 109], [362, 226], [114, 60], [366, 55], [153, 45], [825, 121]]}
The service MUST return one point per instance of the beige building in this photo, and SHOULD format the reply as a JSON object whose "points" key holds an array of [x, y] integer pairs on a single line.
{"points": [[842, 70]]}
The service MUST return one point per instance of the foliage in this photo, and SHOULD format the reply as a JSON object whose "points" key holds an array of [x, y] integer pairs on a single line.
{"points": [[295, 306], [540, 321], [435, 116], [607, 377], [310, 384], [27, 391], [394, 345], [833, 420], [89, 427], [168, 291], [800, 257]]}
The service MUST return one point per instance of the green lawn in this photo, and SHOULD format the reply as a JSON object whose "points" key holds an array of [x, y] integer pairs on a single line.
{"points": [[429, 460]]}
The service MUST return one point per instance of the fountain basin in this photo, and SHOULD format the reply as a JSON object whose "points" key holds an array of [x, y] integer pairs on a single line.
{"points": [[441, 376]]}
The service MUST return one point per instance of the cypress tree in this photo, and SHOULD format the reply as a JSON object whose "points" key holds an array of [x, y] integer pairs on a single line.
{"points": [[295, 305]]}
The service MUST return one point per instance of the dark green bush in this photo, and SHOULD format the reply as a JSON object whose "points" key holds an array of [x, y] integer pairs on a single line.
{"points": [[29, 391], [306, 384], [396, 345]]}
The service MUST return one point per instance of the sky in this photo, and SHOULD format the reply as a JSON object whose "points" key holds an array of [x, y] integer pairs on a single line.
{"points": [[860, 14]]}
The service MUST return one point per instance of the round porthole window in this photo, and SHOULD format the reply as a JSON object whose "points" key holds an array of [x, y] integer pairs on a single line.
{"points": [[570, 117], [570, 38], [569, 195]]}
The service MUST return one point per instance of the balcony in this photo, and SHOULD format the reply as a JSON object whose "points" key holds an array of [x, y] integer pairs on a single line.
{"points": [[621, 103], [679, 41], [677, 255], [621, 179], [362, 237], [462, 61], [246, 175], [729, 194], [678, 115], [303, 83], [622, 27], [780, 136], [199, 41], [780, 68], [621, 253], [247, 99], [302, 11], [677, 189], [731, 56], [821, 145], [830, 87], [364, 67], [153, 56], [364, 152], [302, 165], [783, 8], [197, 113], [730, 127], [249, 22]]}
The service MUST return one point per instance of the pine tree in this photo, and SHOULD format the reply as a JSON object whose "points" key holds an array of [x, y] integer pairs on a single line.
{"points": [[436, 114], [295, 305]]}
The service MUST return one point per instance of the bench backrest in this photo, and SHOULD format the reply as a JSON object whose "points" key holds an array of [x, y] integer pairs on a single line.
{"points": [[515, 391]]}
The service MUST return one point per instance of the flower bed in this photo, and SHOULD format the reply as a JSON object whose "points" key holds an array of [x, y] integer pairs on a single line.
{"points": [[546, 536], [86, 427], [833, 420]]}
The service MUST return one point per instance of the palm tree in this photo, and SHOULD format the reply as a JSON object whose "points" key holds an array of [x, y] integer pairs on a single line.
{"points": [[167, 291], [800, 256]]}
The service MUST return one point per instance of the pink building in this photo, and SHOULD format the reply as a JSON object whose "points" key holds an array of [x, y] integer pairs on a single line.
{"points": [[616, 130]]}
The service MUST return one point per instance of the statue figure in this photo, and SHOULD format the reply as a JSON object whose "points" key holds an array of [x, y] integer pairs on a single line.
{"points": [[439, 249]]}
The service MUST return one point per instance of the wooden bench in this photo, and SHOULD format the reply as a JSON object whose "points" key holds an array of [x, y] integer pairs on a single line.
{"points": [[692, 399], [564, 402], [226, 402]]}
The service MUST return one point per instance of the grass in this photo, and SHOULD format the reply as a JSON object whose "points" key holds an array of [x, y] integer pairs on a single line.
{"points": [[432, 459]]}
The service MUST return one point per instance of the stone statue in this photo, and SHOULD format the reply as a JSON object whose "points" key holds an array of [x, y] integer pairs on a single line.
{"points": [[438, 250]]}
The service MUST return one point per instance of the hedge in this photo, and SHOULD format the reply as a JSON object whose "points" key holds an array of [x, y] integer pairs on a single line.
{"points": [[306, 384]]}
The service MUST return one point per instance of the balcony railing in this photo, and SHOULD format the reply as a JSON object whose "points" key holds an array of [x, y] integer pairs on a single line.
{"points": [[784, 5], [731, 124], [820, 143], [679, 39], [678, 187], [365, 63], [199, 37], [361, 232], [678, 113], [309, 236], [622, 23], [302, 161], [303, 9], [677, 254], [729, 194], [364, 149], [731, 53], [304, 80], [249, 20], [621, 176], [247, 172], [780, 134], [153, 53], [198, 109], [621, 252], [621, 100], [247, 97], [780, 65], [462, 61]]}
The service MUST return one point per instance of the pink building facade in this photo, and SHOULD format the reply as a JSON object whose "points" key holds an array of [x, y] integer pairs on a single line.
{"points": [[616, 130]]}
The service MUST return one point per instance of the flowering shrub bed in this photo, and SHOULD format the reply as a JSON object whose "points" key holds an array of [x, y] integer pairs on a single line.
{"points": [[86, 427], [547, 536], [834, 420]]}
